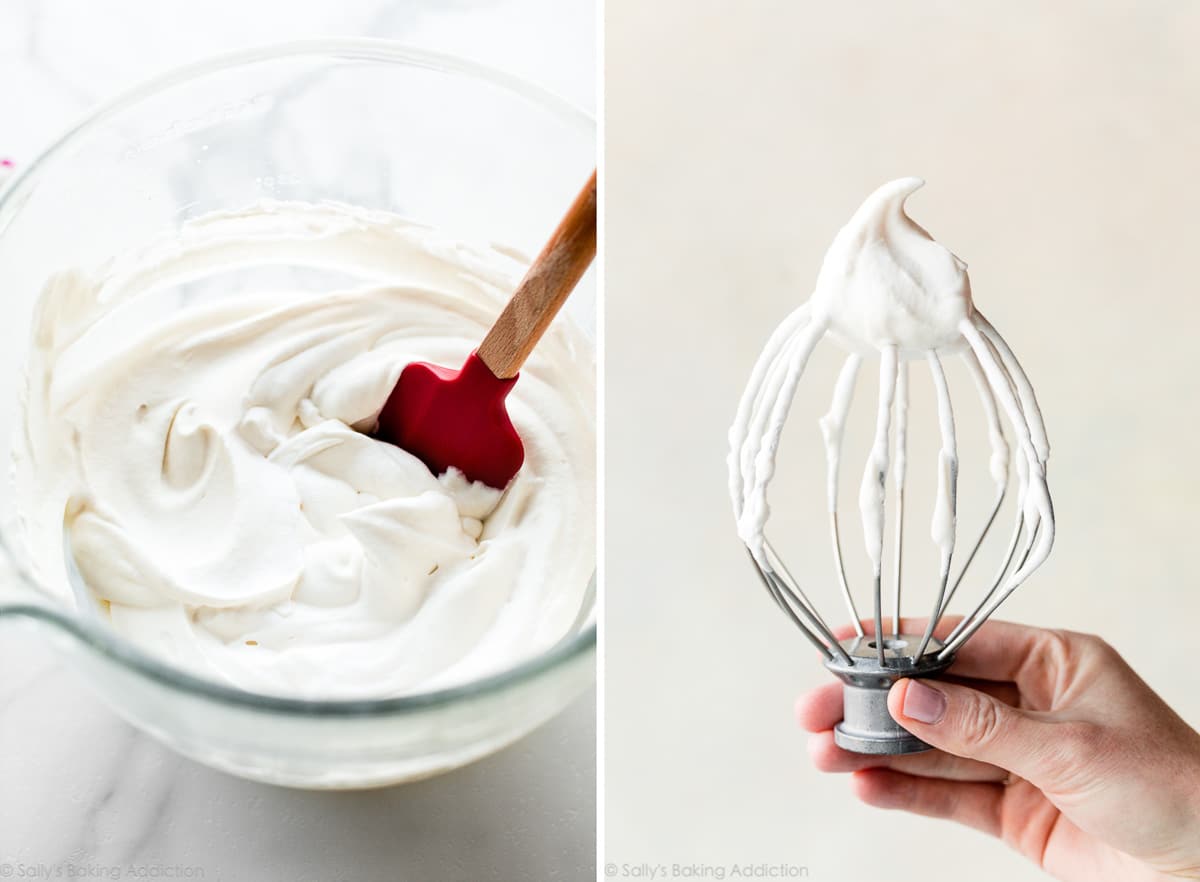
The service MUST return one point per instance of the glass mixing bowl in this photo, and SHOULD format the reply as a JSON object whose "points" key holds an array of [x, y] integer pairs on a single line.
{"points": [[478, 154]]}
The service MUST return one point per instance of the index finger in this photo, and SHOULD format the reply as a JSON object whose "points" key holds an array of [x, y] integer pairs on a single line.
{"points": [[1001, 651]]}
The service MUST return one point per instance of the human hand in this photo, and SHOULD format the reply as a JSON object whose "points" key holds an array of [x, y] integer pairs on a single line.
{"points": [[1046, 739]]}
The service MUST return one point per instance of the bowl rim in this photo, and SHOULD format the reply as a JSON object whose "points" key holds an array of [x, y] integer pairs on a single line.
{"points": [[108, 642]]}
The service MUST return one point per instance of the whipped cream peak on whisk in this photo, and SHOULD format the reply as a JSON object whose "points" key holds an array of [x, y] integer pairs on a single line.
{"points": [[886, 281]]}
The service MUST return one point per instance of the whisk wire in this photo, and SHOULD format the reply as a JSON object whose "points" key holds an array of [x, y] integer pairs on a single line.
{"points": [[945, 516], [790, 600], [840, 566], [971, 557], [901, 472], [874, 486], [968, 626], [785, 575]]}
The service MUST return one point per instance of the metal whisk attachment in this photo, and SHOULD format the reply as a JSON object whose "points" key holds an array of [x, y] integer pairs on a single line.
{"points": [[935, 310]]}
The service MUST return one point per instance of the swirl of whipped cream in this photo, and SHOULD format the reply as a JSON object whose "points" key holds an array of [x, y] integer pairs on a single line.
{"points": [[196, 425]]}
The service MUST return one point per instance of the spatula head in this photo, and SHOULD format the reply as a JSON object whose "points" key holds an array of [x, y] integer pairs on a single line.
{"points": [[448, 417]]}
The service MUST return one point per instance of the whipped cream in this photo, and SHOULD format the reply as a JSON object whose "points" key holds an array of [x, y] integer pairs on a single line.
{"points": [[886, 282], [887, 289], [195, 435]]}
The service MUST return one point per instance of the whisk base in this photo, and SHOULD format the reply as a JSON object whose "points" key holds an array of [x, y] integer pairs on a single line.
{"points": [[867, 726], [896, 745]]}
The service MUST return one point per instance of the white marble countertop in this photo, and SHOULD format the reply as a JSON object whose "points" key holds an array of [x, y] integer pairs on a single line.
{"points": [[84, 795]]}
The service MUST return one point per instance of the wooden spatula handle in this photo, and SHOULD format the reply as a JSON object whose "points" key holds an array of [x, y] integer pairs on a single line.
{"points": [[545, 287]]}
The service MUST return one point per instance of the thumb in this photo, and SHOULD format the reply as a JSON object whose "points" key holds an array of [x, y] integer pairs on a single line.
{"points": [[972, 724]]}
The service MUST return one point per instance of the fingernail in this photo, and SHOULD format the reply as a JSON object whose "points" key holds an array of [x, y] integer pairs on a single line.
{"points": [[924, 703]]}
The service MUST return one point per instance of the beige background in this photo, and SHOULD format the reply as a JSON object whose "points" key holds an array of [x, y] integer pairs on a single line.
{"points": [[1060, 146]]}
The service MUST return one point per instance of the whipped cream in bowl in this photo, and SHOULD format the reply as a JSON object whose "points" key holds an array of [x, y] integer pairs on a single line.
{"points": [[206, 457], [197, 498]]}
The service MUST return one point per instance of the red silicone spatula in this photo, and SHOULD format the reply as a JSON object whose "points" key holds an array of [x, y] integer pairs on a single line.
{"points": [[456, 417]]}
